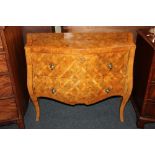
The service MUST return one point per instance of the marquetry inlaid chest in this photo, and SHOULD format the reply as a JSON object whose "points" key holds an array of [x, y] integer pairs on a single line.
{"points": [[79, 68]]}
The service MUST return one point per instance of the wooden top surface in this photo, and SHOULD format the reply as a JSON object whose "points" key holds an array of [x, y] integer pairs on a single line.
{"points": [[79, 40]]}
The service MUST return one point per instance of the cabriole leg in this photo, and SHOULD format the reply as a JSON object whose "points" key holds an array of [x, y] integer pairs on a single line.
{"points": [[37, 108], [123, 104]]}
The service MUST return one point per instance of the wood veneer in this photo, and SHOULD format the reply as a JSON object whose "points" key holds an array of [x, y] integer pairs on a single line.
{"points": [[3, 64], [143, 95], [13, 89], [79, 68]]}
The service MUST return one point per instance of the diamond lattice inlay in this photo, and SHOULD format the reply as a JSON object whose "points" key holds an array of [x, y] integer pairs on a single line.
{"points": [[79, 78]]}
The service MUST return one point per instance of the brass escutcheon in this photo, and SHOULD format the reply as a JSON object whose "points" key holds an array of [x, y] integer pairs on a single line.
{"points": [[110, 66], [107, 90], [53, 90], [52, 66]]}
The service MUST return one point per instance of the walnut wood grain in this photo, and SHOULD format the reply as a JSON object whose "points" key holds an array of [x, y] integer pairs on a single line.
{"points": [[151, 93], [149, 109], [3, 64], [143, 95], [8, 110], [1, 44], [6, 90], [12, 76], [80, 68], [17, 62]]}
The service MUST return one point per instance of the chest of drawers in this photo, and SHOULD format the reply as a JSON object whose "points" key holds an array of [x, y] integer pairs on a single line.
{"points": [[76, 68], [13, 88], [143, 95]]}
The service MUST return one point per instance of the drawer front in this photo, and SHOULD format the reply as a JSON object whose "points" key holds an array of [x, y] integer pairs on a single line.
{"points": [[151, 93], [5, 87], [85, 66], [74, 90], [149, 109], [3, 64], [8, 110]]}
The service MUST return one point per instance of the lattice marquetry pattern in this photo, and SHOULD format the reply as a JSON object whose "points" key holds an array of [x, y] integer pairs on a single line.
{"points": [[80, 68], [63, 66], [78, 78]]}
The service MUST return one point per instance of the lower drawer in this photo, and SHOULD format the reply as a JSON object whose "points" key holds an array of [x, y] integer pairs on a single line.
{"points": [[149, 109], [5, 87], [74, 90], [8, 110]]}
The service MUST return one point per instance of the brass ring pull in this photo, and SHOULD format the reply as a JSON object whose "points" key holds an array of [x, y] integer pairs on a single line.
{"points": [[52, 66], [107, 90], [110, 66], [53, 90]]}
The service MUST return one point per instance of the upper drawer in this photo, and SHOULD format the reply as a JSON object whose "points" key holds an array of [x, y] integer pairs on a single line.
{"points": [[3, 65], [6, 90], [83, 65]]}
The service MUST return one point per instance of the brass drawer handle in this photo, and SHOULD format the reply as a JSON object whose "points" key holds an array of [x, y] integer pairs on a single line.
{"points": [[53, 90], [107, 90], [52, 66], [110, 66]]}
